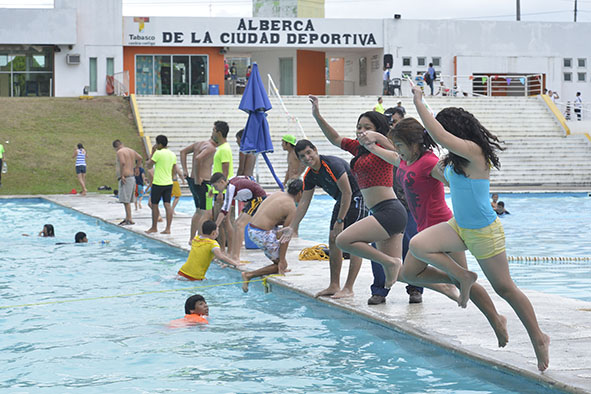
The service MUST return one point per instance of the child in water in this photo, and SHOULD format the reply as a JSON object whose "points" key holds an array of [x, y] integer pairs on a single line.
{"points": [[196, 312]]}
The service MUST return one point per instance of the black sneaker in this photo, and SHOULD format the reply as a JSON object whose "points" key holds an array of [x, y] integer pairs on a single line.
{"points": [[415, 297], [376, 300]]}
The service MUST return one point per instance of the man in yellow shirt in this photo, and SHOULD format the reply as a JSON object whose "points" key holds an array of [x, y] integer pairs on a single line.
{"points": [[203, 250], [164, 163], [222, 162]]}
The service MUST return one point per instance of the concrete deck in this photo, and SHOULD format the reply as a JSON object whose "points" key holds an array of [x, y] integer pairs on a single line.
{"points": [[437, 320]]}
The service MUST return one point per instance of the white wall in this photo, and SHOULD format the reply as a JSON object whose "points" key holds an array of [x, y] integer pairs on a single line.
{"points": [[99, 34], [496, 47], [374, 69], [268, 61], [37, 26]]}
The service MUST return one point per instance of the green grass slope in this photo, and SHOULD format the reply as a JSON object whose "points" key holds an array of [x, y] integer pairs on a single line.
{"points": [[42, 134]]}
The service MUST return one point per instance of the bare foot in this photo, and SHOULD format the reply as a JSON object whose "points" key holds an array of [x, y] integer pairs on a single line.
{"points": [[542, 352], [244, 282], [165, 232], [501, 331], [329, 291], [449, 290], [151, 230], [391, 272], [160, 220], [465, 285], [345, 293]]}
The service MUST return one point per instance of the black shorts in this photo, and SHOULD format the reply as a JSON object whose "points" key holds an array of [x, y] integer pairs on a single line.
{"points": [[158, 192], [357, 211], [199, 193], [391, 215], [80, 169], [251, 206]]}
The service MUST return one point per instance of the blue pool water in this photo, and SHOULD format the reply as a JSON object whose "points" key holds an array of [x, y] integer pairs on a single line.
{"points": [[256, 342], [540, 225]]}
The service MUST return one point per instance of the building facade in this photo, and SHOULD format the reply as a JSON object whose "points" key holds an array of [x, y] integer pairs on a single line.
{"points": [[80, 46]]}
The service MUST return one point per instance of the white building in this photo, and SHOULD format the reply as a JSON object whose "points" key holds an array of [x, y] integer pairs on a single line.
{"points": [[78, 43]]}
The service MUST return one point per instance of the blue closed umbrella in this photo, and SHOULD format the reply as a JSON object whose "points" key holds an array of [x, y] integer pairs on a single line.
{"points": [[256, 137]]}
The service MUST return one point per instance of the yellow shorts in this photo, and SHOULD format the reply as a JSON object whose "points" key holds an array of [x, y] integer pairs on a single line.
{"points": [[484, 242], [176, 189]]}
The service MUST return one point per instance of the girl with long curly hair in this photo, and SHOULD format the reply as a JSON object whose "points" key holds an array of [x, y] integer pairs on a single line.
{"points": [[385, 226], [475, 225]]}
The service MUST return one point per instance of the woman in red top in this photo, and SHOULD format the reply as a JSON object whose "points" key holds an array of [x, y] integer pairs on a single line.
{"points": [[388, 218], [422, 180]]}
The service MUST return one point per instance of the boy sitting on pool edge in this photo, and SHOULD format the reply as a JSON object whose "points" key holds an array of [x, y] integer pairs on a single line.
{"points": [[204, 249], [196, 312]]}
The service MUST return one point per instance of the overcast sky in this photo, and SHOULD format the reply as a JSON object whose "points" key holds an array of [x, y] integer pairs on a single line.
{"points": [[531, 10]]}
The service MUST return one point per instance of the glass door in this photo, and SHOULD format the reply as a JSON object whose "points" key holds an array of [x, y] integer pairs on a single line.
{"points": [[199, 75], [180, 75], [286, 75], [144, 75], [162, 75]]}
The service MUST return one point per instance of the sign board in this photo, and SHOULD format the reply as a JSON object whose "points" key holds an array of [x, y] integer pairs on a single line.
{"points": [[253, 32]]}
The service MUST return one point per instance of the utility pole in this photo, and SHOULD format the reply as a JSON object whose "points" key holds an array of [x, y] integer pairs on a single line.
{"points": [[518, 13], [575, 10]]}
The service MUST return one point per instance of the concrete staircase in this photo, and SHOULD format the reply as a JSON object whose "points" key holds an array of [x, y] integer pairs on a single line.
{"points": [[538, 153]]}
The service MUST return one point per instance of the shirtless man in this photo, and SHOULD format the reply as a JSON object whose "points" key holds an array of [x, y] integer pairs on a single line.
{"points": [[246, 161], [295, 167], [277, 209], [126, 162], [203, 152]]}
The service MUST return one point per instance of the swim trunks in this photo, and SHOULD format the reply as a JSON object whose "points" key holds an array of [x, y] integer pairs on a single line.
{"points": [[176, 189], [251, 206], [266, 240], [200, 194], [127, 190], [139, 190], [159, 192]]}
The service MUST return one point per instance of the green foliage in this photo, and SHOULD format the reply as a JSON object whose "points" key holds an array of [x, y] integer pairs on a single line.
{"points": [[43, 134]]}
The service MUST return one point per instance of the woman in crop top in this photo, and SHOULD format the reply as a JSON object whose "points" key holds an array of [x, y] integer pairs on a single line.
{"points": [[422, 180], [387, 222], [475, 225]]}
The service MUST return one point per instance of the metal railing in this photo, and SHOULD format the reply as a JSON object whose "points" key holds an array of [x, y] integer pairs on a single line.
{"points": [[519, 85], [568, 110], [291, 119], [121, 83]]}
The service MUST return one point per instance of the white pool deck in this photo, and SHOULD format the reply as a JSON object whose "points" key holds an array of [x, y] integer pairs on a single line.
{"points": [[437, 320]]}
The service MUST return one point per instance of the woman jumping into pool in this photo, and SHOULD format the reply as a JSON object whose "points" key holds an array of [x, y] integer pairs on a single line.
{"points": [[422, 180], [388, 218], [475, 225]]}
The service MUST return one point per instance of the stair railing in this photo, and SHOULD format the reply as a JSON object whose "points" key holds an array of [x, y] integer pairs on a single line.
{"points": [[290, 118]]}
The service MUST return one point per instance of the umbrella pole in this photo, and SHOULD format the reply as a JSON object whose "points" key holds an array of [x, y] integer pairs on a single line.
{"points": [[272, 171]]}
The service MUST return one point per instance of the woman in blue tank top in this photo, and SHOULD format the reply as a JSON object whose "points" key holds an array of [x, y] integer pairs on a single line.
{"points": [[80, 156], [475, 226]]}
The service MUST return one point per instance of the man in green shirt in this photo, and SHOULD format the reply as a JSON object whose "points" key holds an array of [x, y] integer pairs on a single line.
{"points": [[222, 162], [2, 161], [164, 163]]}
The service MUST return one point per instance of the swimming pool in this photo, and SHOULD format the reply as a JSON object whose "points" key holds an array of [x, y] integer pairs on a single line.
{"points": [[540, 225], [278, 342]]}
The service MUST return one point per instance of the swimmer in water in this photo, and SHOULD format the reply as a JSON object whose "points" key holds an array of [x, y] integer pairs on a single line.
{"points": [[196, 312], [80, 237]]}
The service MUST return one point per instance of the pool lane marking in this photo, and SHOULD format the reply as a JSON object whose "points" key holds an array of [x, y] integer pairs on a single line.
{"points": [[264, 280]]}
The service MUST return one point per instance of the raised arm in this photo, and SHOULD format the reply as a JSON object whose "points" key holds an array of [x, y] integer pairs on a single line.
{"points": [[464, 148], [386, 152], [330, 133]]}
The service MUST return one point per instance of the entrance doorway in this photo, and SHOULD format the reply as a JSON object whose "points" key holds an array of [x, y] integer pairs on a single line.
{"points": [[171, 74], [286, 76]]}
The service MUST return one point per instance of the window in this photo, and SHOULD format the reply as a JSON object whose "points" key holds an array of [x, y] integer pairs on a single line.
{"points": [[110, 66], [421, 61], [406, 61], [567, 62], [567, 77], [436, 61], [582, 62], [92, 77], [581, 77]]}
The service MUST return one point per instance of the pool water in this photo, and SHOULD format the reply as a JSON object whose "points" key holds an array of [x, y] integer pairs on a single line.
{"points": [[540, 225], [255, 342]]}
